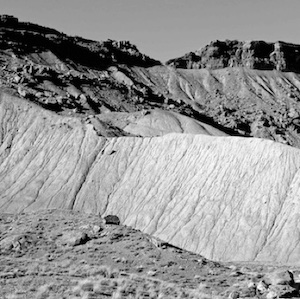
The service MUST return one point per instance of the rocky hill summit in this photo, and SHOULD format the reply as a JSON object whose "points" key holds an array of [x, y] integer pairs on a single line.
{"points": [[259, 55], [24, 37]]}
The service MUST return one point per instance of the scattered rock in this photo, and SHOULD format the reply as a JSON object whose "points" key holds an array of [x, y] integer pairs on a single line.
{"points": [[74, 238], [73, 91], [235, 274], [280, 278], [16, 79], [139, 268], [112, 219], [22, 92], [272, 295], [96, 229], [251, 290], [151, 273], [262, 287], [38, 94], [234, 295], [7, 243], [124, 260], [83, 98]]}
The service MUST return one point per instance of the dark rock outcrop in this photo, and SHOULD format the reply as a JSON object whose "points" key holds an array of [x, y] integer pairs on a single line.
{"points": [[8, 20], [112, 219], [26, 37], [251, 54]]}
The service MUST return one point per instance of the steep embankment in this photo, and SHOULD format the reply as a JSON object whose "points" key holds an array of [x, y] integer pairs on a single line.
{"points": [[226, 198]]}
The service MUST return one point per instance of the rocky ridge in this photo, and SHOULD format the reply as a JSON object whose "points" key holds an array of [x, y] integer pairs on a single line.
{"points": [[259, 55], [24, 38]]}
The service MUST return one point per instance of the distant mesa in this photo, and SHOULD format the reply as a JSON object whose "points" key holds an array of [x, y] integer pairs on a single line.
{"points": [[260, 55]]}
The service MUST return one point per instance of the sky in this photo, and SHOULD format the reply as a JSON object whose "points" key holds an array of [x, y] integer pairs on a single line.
{"points": [[164, 29]]}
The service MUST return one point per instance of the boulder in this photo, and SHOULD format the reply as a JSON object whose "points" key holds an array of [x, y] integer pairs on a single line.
{"points": [[74, 238], [280, 278], [272, 295], [262, 287], [112, 219], [17, 79], [22, 92]]}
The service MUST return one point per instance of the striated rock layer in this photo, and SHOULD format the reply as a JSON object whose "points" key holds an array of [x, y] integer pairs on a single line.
{"points": [[228, 198], [260, 55]]}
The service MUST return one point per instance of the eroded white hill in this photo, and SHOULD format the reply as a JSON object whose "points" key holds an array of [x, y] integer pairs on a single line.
{"points": [[227, 198], [158, 122]]}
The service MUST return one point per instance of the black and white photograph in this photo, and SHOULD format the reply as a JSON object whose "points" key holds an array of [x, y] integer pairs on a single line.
{"points": [[149, 149]]}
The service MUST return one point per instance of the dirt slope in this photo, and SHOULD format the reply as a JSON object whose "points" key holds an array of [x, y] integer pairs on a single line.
{"points": [[66, 254]]}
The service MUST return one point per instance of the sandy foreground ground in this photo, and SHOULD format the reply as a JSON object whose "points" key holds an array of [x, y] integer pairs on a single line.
{"points": [[64, 254]]}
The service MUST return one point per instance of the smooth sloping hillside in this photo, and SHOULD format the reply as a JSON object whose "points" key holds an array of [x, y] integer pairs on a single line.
{"points": [[158, 122], [226, 198]]}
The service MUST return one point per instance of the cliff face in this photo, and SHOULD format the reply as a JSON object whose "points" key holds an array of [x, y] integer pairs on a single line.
{"points": [[253, 54]]}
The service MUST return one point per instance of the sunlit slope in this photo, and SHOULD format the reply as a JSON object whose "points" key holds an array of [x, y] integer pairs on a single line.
{"points": [[227, 198], [157, 122]]}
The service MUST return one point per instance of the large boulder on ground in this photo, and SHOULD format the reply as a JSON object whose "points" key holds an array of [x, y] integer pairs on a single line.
{"points": [[74, 238], [280, 278], [112, 219]]}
